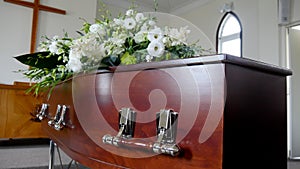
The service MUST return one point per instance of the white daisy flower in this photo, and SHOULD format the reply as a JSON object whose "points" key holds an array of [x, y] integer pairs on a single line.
{"points": [[155, 34], [156, 48], [129, 23]]}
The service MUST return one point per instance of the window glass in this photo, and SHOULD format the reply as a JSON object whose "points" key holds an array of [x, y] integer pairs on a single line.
{"points": [[232, 47], [231, 26], [230, 35]]}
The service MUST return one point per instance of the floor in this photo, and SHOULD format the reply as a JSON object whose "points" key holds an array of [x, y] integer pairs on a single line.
{"points": [[37, 157], [33, 157], [27, 156], [293, 164]]}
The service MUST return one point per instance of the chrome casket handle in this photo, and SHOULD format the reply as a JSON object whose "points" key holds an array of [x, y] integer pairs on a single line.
{"points": [[59, 121], [43, 111], [143, 144], [166, 126]]}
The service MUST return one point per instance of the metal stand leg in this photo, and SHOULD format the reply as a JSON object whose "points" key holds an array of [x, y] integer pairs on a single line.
{"points": [[52, 157], [51, 154]]}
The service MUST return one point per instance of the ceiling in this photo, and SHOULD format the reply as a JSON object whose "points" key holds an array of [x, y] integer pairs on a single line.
{"points": [[168, 6]]}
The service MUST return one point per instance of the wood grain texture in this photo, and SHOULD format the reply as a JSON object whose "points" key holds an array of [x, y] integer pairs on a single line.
{"points": [[15, 109]]}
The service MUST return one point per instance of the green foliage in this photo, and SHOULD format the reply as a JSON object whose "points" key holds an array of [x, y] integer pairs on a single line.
{"points": [[45, 70], [111, 61], [128, 59], [46, 78], [40, 60]]}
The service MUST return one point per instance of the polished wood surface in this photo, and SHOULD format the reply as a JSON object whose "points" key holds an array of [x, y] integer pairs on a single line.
{"points": [[16, 108], [229, 109]]}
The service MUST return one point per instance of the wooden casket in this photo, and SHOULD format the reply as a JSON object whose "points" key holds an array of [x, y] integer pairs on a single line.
{"points": [[209, 112]]}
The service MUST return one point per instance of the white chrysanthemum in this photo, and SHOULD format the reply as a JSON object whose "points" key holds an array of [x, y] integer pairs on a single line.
{"points": [[129, 23], [156, 48], [177, 36], [139, 17], [74, 62], [90, 48], [89, 45], [75, 65], [155, 34]]}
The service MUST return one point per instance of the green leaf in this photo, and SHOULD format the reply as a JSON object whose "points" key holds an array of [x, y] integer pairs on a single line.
{"points": [[40, 60], [111, 61], [128, 59]]}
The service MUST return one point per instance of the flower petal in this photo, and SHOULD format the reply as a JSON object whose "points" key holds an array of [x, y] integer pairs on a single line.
{"points": [[156, 48]]}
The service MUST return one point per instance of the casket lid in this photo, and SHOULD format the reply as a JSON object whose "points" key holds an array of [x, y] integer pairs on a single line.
{"points": [[204, 60]]}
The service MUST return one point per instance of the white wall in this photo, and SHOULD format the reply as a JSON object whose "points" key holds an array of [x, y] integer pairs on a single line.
{"points": [[294, 51], [117, 7], [295, 10], [258, 19], [15, 30], [294, 41]]}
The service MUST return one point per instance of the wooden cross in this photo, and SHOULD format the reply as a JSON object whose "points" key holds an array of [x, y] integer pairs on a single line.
{"points": [[36, 7]]}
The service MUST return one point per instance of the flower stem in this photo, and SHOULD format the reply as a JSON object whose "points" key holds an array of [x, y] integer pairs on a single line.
{"points": [[155, 5]]}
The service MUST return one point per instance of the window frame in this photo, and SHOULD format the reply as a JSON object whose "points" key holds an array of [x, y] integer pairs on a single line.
{"points": [[229, 37]]}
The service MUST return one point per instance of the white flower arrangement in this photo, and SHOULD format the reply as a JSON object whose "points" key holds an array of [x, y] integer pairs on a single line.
{"points": [[128, 39]]}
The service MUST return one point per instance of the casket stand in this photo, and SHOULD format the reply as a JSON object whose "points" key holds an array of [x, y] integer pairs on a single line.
{"points": [[207, 112]]}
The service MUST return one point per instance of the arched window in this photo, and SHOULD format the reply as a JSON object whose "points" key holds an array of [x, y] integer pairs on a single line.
{"points": [[229, 35]]}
